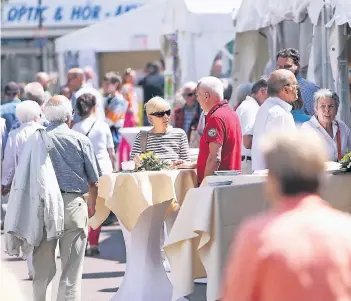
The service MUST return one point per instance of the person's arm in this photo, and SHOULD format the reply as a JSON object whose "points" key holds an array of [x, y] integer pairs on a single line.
{"points": [[93, 173], [93, 193], [214, 136], [8, 165], [214, 158], [247, 141], [110, 147], [136, 150], [241, 276]]}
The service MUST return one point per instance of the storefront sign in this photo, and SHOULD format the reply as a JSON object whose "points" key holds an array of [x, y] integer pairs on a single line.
{"points": [[19, 13]]}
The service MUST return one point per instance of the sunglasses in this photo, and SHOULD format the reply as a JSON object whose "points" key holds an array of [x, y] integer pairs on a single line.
{"points": [[190, 94], [161, 114]]}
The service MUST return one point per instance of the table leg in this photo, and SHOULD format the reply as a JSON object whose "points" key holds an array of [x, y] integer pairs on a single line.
{"points": [[145, 278]]}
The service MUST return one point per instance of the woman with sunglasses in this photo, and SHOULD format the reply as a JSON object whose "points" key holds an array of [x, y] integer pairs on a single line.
{"points": [[167, 143]]}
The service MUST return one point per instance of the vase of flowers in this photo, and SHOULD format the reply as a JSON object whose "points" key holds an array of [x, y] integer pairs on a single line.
{"points": [[150, 162], [346, 162]]}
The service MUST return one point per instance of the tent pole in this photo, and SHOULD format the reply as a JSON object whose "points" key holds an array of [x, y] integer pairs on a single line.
{"points": [[342, 80], [324, 49], [275, 44]]}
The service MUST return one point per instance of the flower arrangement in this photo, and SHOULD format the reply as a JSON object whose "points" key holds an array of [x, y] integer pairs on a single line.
{"points": [[151, 162], [346, 162]]}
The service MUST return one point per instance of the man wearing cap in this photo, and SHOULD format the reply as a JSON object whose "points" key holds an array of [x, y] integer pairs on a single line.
{"points": [[8, 106]]}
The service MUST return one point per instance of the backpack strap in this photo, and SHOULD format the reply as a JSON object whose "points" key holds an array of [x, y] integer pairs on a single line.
{"points": [[143, 141]]}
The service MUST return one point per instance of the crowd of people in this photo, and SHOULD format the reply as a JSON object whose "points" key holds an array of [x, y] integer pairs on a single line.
{"points": [[77, 134]]}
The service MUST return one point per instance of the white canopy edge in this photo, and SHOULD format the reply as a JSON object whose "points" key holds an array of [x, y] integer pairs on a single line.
{"points": [[120, 34], [256, 14]]}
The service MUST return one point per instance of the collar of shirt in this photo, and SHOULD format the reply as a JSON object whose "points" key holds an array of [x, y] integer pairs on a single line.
{"points": [[316, 123], [287, 107], [301, 200], [216, 107], [15, 100], [57, 125]]}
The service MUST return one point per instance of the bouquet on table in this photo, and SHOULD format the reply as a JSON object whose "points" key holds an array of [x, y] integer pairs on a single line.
{"points": [[150, 162], [346, 162]]}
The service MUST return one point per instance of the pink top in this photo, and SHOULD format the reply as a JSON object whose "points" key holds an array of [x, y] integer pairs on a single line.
{"points": [[298, 251]]}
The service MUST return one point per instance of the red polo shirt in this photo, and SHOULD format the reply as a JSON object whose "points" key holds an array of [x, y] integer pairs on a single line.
{"points": [[223, 127]]}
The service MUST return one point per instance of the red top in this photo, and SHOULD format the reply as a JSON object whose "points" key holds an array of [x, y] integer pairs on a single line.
{"points": [[223, 127]]}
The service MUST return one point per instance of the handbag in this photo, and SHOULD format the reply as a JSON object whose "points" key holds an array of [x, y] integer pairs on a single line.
{"points": [[143, 141]]}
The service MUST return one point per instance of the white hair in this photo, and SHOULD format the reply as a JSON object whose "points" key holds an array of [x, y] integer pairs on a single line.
{"points": [[213, 85], [35, 91], [326, 93], [58, 109], [189, 86], [27, 111]]}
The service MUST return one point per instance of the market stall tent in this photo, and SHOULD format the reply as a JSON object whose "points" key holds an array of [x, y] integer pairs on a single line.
{"points": [[202, 28], [137, 31]]}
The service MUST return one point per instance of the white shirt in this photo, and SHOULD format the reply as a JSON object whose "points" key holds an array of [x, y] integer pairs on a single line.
{"points": [[15, 143], [100, 105], [331, 143], [274, 114], [101, 139], [247, 112]]}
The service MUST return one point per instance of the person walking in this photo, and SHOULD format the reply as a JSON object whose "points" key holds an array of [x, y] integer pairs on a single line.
{"points": [[101, 138]]}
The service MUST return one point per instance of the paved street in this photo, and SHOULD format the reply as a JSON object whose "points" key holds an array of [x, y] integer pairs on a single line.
{"points": [[102, 275]]}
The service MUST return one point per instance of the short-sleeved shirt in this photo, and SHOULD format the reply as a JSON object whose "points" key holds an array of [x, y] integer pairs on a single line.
{"points": [[73, 159], [247, 112], [222, 127], [100, 136], [172, 145]]}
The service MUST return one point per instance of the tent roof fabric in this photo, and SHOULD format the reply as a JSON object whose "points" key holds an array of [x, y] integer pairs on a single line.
{"points": [[198, 16], [139, 29], [256, 14]]}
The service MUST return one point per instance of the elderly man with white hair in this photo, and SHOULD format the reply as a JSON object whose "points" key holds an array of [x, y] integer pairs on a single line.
{"points": [[44, 80], [220, 144], [187, 117], [77, 172], [35, 92], [28, 112]]}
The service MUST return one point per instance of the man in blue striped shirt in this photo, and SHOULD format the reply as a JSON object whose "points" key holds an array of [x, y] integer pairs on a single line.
{"points": [[77, 172]]}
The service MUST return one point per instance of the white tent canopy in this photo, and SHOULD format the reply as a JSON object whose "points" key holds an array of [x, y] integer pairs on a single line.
{"points": [[119, 34], [203, 28], [256, 14]]}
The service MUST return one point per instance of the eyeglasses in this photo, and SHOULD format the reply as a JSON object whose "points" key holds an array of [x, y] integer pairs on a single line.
{"points": [[161, 114]]}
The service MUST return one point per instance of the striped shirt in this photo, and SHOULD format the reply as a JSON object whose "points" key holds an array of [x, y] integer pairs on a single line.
{"points": [[73, 159], [173, 145]]}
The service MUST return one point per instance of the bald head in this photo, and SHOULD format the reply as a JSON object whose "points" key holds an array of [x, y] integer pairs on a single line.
{"points": [[75, 79], [43, 79], [58, 109], [283, 84]]}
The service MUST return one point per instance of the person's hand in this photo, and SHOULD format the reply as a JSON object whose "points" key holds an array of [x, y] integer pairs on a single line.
{"points": [[137, 161], [91, 211], [186, 165], [5, 189]]}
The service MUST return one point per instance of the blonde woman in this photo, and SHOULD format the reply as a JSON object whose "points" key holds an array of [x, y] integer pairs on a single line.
{"points": [[167, 143]]}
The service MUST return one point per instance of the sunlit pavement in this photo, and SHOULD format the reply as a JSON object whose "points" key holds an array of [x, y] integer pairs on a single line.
{"points": [[102, 275]]}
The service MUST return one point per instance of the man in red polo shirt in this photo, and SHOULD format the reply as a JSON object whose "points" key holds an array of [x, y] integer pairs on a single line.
{"points": [[220, 144]]}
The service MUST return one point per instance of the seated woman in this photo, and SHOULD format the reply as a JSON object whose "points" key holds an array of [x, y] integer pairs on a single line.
{"points": [[170, 144], [336, 133]]}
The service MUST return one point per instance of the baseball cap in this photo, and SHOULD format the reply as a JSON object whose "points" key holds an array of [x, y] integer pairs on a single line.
{"points": [[11, 88]]}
